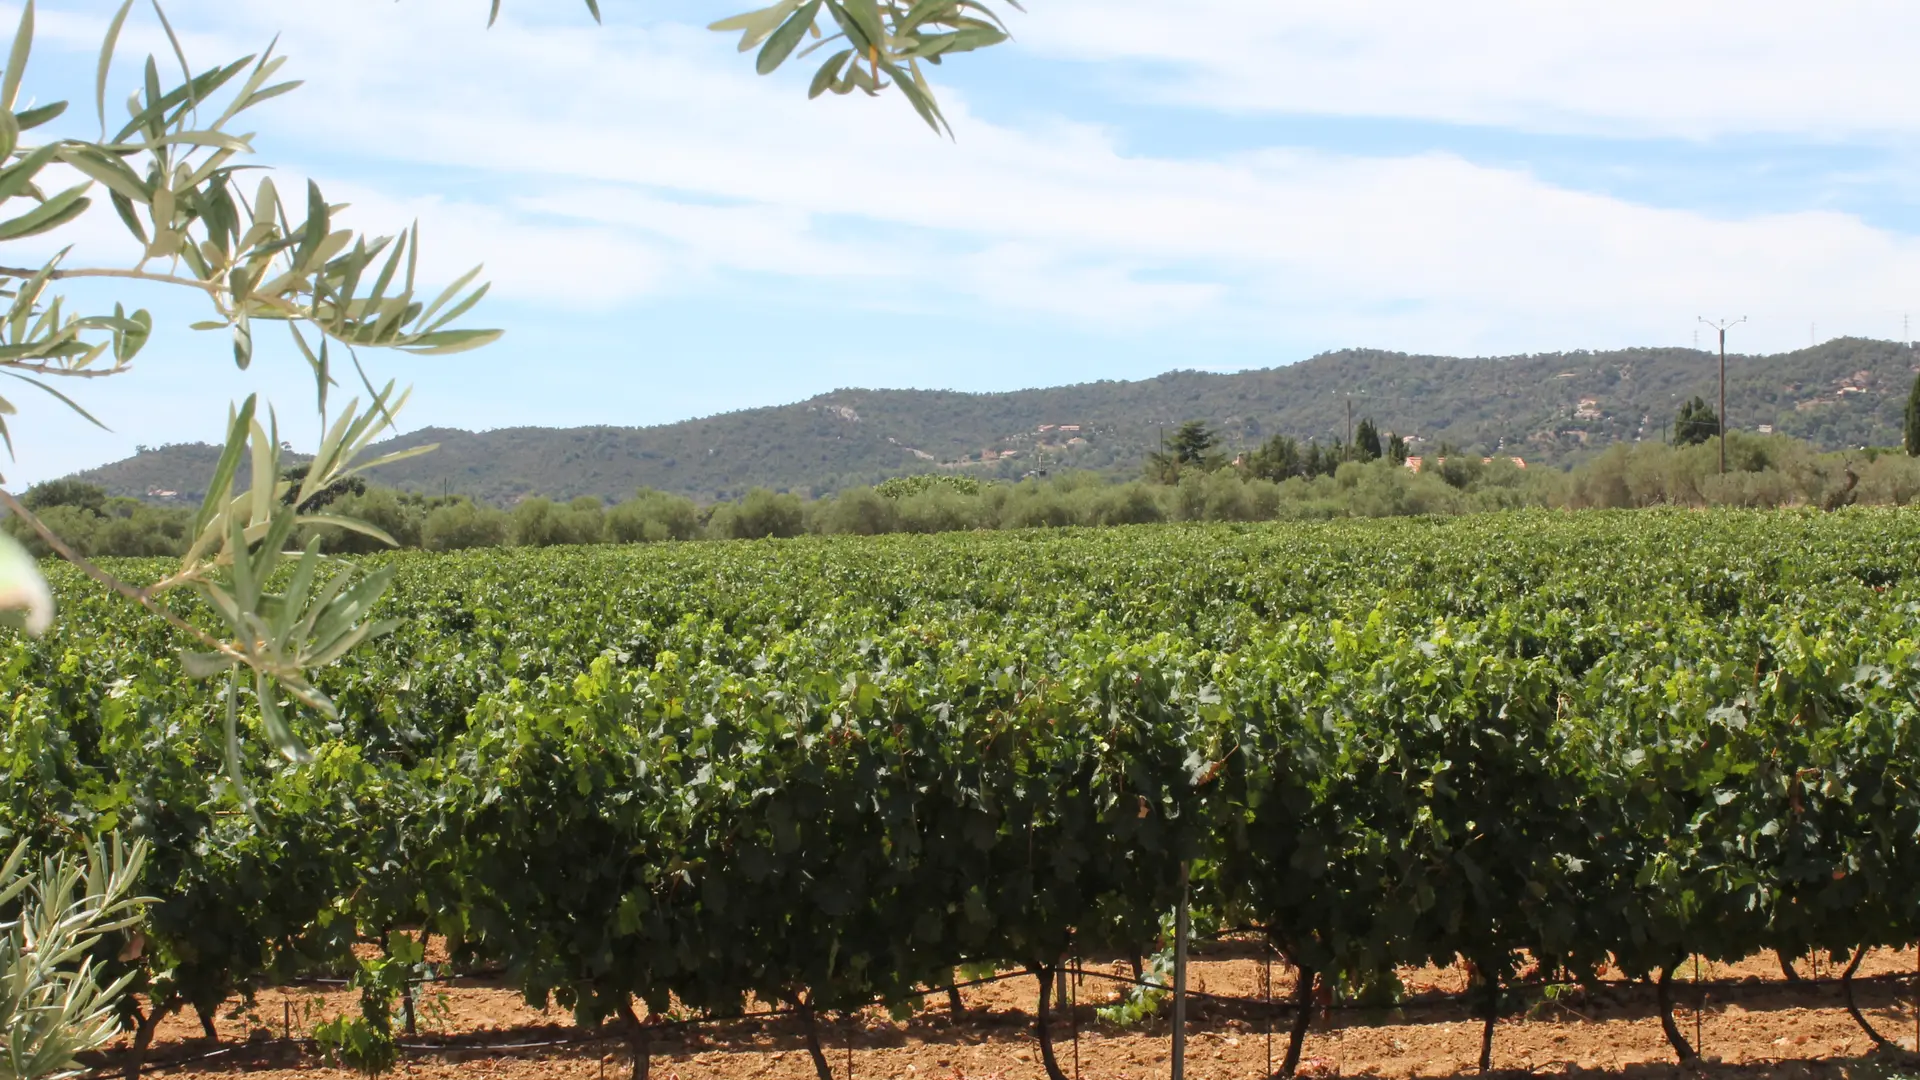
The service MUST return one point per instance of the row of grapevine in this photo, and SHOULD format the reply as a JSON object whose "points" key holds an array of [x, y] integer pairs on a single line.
{"points": [[828, 773]]}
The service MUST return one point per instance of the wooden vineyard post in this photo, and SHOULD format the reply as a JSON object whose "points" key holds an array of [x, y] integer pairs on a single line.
{"points": [[1180, 981], [1266, 997], [1699, 1006], [1073, 1017]]}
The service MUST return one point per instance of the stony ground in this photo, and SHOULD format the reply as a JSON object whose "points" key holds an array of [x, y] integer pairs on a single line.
{"points": [[1749, 1021]]}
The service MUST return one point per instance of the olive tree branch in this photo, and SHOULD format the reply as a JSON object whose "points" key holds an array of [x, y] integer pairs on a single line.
{"points": [[43, 368], [213, 287]]}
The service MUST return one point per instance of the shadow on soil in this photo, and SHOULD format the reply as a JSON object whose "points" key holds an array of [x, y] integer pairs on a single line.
{"points": [[1013, 1028]]}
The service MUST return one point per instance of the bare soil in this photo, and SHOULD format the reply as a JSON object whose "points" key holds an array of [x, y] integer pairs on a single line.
{"points": [[1745, 1019]]}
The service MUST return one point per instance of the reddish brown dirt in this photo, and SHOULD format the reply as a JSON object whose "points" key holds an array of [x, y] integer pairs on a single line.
{"points": [[1749, 1022]]}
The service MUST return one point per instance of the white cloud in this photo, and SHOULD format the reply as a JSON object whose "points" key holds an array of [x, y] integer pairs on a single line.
{"points": [[704, 237], [1628, 67], [567, 262], [1108, 293]]}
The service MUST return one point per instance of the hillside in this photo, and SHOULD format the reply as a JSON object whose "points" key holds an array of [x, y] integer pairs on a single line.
{"points": [[1553, 408]]}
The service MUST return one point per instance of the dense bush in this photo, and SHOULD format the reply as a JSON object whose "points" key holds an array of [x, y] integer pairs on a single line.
{"points": [[653, 516], [761, 514], [464, 525], [901, 487], [93, 524], [542, 523], [1763, 471], [400, 516]]}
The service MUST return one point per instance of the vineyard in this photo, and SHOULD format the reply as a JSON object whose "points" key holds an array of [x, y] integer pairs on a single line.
{"points": [[659, 784]]}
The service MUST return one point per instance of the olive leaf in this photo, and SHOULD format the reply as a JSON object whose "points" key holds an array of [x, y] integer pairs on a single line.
{"points": [[886, 42]]}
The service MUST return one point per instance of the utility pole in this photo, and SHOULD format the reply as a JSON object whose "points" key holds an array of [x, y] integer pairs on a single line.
{"points": [[1723, 326]]}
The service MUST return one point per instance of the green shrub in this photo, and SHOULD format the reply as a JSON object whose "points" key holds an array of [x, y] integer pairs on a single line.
{"points": [[541, 522], [901, 487], [761, 514], [464, 524], [652, 516]]}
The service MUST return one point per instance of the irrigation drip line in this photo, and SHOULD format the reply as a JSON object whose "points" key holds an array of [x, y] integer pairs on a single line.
{"points": [[1149, 984], [171, 1065], [982, 981], [1444, 999], [1806, 983], [733, 1018], [492, 976], [1438, 1002], [455, 1048]]}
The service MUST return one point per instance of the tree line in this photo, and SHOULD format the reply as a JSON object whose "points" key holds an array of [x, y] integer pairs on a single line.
{"points": [[1190, 478], [1278, 481]]}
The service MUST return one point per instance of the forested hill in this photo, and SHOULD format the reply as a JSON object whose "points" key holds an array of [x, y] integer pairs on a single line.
{"points": [[1548, 408]]}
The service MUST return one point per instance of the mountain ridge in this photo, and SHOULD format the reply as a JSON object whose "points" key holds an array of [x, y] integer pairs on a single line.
{"points": [[1549, 408]]}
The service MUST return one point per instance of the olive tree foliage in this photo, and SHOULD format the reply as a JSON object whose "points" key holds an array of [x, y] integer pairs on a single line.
{"points": [[878, 43], [881, 43], [202, 218], [52, 1008]]}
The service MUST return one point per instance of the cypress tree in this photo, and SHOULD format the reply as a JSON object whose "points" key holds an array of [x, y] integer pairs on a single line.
{"points": [[1366, 441], [1913, 418], [1192, 444], [1695, 424]]}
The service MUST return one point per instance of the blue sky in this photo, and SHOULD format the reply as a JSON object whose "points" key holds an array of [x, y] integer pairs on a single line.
{"points": [[1135, 186]]}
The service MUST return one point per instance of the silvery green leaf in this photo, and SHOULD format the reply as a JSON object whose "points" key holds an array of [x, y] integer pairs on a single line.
{"points": [[756, 26], [204, 665]]}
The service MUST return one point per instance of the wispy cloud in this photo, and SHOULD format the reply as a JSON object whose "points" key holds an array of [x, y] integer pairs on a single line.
{"points": [[1635, 67], [657, 144]]}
